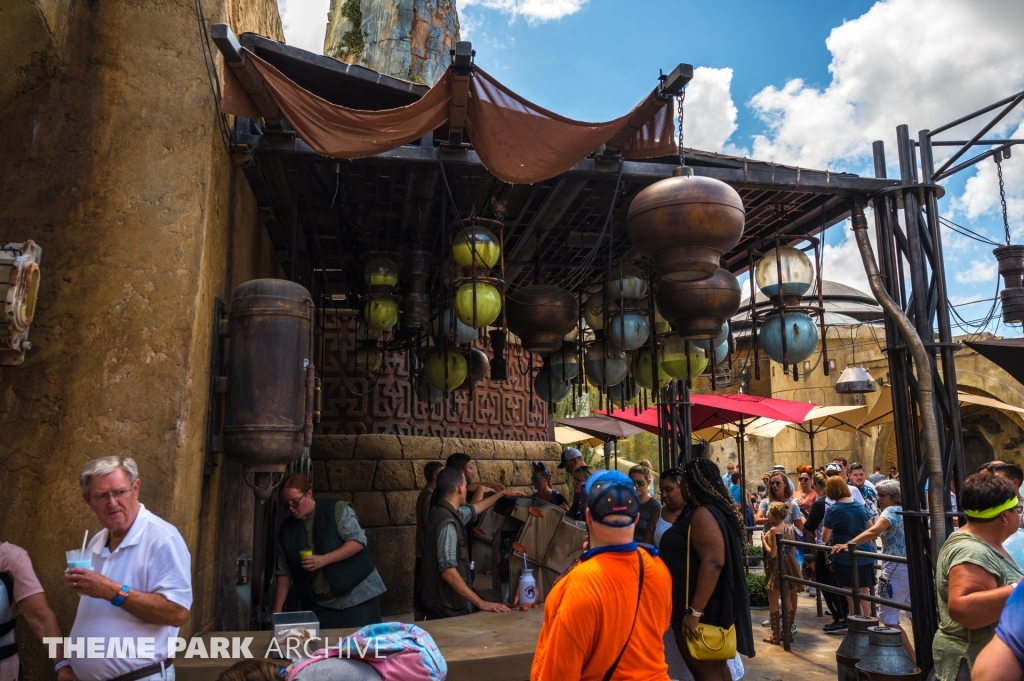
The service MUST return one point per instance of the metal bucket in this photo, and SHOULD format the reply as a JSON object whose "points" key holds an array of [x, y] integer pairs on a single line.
{"points": [[885, 659], [854, 645]]}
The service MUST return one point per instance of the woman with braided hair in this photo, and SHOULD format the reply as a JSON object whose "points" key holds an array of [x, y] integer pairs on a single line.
{"points": [[704, 552]]}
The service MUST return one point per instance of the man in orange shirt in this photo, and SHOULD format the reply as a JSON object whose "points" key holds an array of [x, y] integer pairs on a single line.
{"points": [[594, 621]]}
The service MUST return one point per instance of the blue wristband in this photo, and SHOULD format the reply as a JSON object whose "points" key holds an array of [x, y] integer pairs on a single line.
{"points": [[119, 598]]}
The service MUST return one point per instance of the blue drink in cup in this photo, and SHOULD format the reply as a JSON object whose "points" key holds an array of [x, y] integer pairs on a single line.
{"points": [[78, 558]]}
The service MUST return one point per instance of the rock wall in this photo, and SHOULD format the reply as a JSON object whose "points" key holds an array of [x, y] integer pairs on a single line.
{"points": [[118, 170], [33, 50], [408, 39], [383, 474]]}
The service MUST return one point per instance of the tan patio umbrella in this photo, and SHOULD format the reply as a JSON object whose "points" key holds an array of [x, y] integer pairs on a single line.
{"points": [[845, 418], [881, 412], [564, 435]]}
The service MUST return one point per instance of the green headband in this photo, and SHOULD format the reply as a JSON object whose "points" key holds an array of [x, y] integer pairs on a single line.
{"points": [[994, 511]]}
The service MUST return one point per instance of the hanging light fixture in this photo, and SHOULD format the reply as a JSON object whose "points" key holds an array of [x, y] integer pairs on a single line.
{"points": [[680, 364], [477, 304], [856, 380], [475, 250], [369, 357], [441, 326], [381, 277], [698, 309], [564, 364], [548, 387], [1010, 258], [541, 315], [643, 373], [787, 331], [624, 393], [444, 369], [605, 365]]}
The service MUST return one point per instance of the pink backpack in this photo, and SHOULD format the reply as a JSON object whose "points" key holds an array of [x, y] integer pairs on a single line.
{"points": [[397, 651]]}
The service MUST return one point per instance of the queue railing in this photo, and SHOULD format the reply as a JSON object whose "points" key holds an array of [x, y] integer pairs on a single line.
{"points": [[853, 592]]}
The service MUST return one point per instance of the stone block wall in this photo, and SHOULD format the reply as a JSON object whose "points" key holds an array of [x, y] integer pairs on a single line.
{"points": [[381, 475]]}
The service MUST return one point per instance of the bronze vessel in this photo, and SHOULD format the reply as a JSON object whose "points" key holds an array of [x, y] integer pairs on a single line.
{"points": [[698, 309], [268, 417], [684, 224], [541, 314]]}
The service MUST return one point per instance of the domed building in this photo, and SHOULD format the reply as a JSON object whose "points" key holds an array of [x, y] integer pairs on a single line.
{"points": [[855, 336]]}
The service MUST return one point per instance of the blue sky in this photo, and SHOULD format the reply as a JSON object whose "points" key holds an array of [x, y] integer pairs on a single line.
{"points": [[808, 83]]}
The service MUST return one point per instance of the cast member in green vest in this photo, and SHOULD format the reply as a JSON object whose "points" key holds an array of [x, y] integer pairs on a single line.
{"points": [[322, 552], [446, 588]]}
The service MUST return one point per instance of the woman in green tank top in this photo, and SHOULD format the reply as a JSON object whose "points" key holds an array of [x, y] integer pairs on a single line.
{"points": [[974, 575]]}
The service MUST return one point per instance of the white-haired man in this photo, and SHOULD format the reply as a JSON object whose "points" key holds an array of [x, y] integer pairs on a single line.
{"points": [[139, 589]]}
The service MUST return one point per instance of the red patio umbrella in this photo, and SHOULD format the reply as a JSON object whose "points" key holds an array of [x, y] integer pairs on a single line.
{"points": [[714, 410]]}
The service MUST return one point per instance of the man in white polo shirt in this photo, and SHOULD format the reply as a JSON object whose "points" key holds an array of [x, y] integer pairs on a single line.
{"points": [[139, 590]]}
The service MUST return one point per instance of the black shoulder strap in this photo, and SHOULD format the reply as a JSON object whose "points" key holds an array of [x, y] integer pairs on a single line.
{"points": [[639, 592], [6, 627]]}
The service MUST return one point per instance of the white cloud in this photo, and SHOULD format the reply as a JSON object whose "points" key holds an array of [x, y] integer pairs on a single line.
{"points": [[979, 272], [305, 23], [962, 56], [709, 118], [533, 11]]}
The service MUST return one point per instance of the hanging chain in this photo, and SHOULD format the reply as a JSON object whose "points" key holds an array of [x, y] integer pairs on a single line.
{"points": [[1002, 194], [682, 98]]}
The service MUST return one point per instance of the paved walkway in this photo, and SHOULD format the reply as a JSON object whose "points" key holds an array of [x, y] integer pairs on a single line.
{"points": [[813, 656]]}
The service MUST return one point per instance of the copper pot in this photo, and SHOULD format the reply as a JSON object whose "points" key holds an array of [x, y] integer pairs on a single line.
{"points": [[541, 315], [684, 224], [698, 309]]}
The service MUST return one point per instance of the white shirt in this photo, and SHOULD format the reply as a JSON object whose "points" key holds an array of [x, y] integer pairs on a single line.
{"points": [[854, 492], [152, 558]]}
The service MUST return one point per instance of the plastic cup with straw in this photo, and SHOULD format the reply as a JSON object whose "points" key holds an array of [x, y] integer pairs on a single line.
{"points": [[80, 558]]}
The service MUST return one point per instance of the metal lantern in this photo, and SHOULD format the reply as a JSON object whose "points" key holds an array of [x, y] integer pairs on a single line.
{"points": [[643, 373], [381, 313], [444, 369], [627, 282], [381, 274], [605, 365], [1011, 269], [572, 335], [476, 246], [856, 380], [549, 388], [698, 309], [477, 304], [679, 364], [797, 274], [801, 337], [479, 365], [442, 326], [684, 224], [564, 364], [541, 315], [428, 393], [721, 352], [629, 330], [369, 357], [623, 393], [661, 325], [709, 343]]}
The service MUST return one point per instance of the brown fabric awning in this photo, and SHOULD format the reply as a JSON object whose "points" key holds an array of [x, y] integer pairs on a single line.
{"points": [[517, 141]]}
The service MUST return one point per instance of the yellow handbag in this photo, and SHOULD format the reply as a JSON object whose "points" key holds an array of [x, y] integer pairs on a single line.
{"points": [[713, 643]]}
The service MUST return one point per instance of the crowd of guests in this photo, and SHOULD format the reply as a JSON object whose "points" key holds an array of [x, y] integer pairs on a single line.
{"points": [[139, 584]]}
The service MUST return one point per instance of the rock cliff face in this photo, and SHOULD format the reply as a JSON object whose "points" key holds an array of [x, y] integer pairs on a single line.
{"points": [[407, 39]]}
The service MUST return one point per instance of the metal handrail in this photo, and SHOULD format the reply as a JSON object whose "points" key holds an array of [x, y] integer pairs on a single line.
{"points": [[853, 592]]}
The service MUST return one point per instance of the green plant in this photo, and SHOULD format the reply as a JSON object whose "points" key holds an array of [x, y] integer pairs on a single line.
{"points": [[755, 553], [758, 590], [353, 39]]}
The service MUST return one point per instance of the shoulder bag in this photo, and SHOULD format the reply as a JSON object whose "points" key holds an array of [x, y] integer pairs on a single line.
{"points": [[713, 643]]}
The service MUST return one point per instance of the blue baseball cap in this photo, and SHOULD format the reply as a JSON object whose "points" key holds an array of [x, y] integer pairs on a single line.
{"points": [[612, 493]]}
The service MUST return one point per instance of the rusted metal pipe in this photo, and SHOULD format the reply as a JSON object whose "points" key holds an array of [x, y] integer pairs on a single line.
{"points": [[925, 381]]}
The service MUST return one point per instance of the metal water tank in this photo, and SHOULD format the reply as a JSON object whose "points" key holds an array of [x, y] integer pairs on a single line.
{"points": [[268, 416]]}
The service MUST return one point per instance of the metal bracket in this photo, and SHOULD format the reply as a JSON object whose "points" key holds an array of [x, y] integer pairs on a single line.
{"points": [[218, 386]]}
